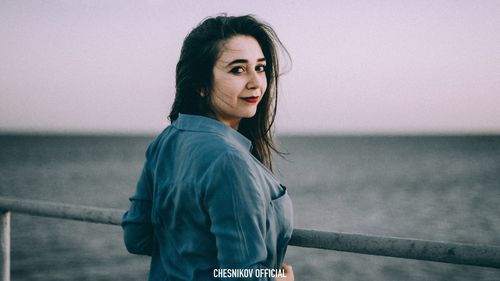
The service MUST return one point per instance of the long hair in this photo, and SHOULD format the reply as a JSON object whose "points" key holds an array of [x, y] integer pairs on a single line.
{"points": [[194, 75]]}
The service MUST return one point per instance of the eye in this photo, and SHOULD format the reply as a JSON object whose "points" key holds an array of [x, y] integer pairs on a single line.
{"points": [[260, 68], [237, 70]]}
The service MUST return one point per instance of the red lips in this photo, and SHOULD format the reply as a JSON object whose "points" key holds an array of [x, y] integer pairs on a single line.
{"points": [[251, 99]]}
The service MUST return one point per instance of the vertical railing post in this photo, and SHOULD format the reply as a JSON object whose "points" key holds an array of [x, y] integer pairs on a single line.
{"points": [[5, 241]]}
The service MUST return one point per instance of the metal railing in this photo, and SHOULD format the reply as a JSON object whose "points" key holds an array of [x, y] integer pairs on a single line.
{"points": [[448, 252]]}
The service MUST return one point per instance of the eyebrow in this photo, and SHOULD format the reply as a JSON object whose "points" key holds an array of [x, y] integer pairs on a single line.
{"points": [[243, 61]]}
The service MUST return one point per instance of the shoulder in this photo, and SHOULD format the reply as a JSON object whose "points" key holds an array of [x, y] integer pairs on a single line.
{"points": [[233, 159], [233, 169], [197, 150], [210, 145], [235, 177], [191, 140]]}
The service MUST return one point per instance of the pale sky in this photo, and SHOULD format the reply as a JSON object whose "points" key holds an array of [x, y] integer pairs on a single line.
{"points": [[358, 66]]}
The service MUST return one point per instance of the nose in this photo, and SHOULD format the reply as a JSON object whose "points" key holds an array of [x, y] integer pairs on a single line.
{"points": [[255, 79]]}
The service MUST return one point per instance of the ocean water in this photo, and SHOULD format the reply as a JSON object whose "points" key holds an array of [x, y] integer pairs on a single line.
{"points": [[438, 188]]}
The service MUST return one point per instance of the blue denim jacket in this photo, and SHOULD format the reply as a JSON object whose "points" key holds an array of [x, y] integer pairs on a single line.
{"points": [[204, 202]]}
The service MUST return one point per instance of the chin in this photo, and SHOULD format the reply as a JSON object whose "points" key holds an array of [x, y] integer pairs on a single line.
{"points": [[250, 114]]}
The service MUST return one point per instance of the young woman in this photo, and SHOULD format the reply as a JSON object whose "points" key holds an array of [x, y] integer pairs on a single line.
{"points": [[207, 205]]}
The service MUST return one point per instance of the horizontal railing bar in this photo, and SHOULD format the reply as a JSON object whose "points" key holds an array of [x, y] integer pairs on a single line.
{"points": [[447, 252], [62, 211]]}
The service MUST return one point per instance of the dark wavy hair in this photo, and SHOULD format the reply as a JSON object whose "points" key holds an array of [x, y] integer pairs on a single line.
{"points": [[194, 75]]}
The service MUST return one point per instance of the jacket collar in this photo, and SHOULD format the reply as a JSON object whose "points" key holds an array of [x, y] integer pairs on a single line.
{"points": [[200, 123]]}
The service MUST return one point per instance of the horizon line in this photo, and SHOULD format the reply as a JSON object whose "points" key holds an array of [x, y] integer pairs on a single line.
{"points": [[84, 133]]}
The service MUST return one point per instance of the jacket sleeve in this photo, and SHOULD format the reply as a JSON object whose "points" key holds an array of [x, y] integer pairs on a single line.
{"points": [[136, 223], [237, 209]]}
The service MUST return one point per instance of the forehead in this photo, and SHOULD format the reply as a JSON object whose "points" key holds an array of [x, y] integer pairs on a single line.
{"points": [[240, 47]]}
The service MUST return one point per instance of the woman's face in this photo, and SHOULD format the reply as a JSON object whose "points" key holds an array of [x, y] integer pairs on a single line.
{"points": [[239, 80]]}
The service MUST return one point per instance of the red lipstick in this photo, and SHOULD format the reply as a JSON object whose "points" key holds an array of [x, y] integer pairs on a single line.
{"points": [[252, 99]]}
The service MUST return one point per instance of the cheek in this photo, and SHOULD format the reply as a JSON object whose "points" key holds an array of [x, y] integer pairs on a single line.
{"points": [[224, 95], [264, 84], [227, 90]]}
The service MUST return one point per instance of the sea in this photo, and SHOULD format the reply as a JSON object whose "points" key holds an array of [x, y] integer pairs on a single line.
{"points": [[444, 188]]}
